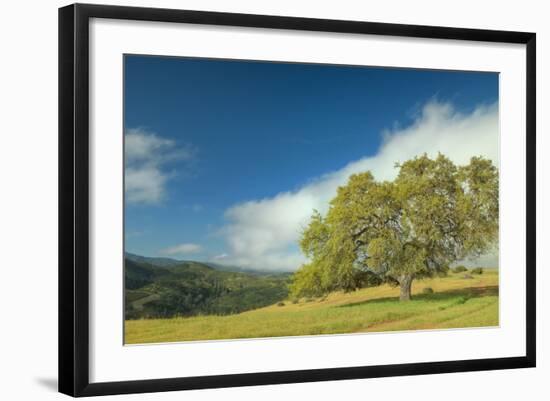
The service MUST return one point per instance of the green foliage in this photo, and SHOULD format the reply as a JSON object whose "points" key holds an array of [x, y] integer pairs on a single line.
{"points": [[427, 290], [433, 214], [137, 275], [459, 269], [192, 288], [477, 270]]}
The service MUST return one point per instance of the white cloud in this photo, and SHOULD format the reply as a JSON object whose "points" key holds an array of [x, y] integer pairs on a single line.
{"points": [[145, 155], [181, 249], [220, 256], [263, 234]]}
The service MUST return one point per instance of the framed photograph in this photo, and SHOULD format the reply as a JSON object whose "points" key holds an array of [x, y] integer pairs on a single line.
{"points": [[251, 199]]}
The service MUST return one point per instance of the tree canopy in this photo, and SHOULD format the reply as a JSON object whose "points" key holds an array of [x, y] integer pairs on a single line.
{"points": [[431, 215]]}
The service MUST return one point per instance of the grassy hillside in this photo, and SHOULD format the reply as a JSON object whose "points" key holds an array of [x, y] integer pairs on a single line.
{"points": [[458, 300], [192, 288]]}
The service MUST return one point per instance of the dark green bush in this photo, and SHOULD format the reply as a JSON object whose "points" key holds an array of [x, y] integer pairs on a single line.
{"points": [[477, 270], [428, 290], [459, 269], [280, 303]]}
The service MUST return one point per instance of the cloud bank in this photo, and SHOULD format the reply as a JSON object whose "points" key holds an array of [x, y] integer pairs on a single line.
{"points": [[145, 158], [181, 249], [263, 233]]}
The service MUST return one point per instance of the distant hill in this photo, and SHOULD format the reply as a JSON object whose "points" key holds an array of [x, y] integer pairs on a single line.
{"points": [[167, 262], [163, 287], [162, 262], [231, 268]]}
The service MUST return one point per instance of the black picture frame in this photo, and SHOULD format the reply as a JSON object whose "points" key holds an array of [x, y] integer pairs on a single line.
{"points": [[74, 198]]}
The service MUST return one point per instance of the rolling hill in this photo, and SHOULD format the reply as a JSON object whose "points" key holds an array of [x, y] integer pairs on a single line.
{"points": [[163, 287], [456, 301], [159, 262]]}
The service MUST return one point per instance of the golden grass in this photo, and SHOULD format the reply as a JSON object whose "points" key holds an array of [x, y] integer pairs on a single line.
{"points": [[456, 302]]}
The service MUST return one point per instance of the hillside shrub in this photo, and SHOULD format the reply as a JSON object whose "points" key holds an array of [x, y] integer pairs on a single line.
{"points": [[477, 270], [459, 269], [428, 290]]}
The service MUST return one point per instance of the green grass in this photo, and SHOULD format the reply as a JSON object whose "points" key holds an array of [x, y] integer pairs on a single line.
{"points": [[456, 302]]}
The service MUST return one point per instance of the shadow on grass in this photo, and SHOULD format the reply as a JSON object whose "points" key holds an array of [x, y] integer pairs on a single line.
{"points": [[464, 293]]}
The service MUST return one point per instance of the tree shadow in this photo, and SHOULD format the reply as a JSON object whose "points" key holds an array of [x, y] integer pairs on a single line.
{"points": [[466, 293]]}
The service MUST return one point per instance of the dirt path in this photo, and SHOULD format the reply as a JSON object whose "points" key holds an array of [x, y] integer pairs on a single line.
{"points": [[138, 305]]}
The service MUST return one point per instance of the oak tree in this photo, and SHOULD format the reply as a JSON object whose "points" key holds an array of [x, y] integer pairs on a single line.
{"points": [[432, 214]]}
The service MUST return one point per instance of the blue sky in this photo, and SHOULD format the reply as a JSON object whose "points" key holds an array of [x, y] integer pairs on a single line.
{"points": [[214, 147]]}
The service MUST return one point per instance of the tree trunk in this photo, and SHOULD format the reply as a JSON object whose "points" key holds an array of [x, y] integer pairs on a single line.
{"points": [[405, 283]]}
